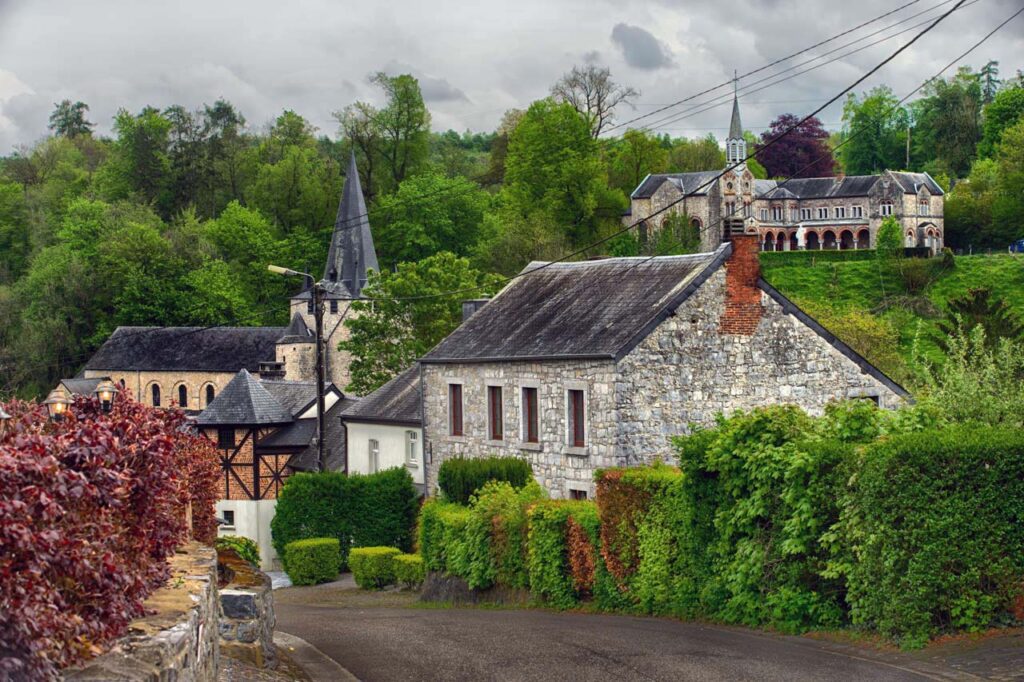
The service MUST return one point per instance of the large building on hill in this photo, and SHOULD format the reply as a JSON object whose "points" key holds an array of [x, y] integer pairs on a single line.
{"points": [[803, 213]]}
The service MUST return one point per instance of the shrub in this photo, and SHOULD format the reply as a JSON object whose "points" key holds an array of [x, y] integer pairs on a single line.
{"points": [[372, 567], [495, 536], [246, 548], [934, 525], [441, 529], [562, 555], [90, 509], [459, 478], [409, 570], [312, 561], [378, 509]]}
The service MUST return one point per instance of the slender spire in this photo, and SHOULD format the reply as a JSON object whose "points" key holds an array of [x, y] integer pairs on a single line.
{"points": [[351, 253], [735, 127]]}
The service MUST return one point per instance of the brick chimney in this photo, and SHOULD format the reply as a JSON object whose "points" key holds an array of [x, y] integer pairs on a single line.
{"points": [[742, 295]]}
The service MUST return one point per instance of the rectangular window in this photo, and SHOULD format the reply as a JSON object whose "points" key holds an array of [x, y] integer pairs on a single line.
{"points": [[764, 214], [805, 214], [924, 208], [748, 210], [577, 418], [577, 494], [858, 211], [777, 213], [823, 213], [455, 409], [229, 519], [531, 420], [373, 455], [334, 305], [886, 209], [412, 445], [495, 416], [840, 211], [730, 208], [794, 215], [225, 438]]}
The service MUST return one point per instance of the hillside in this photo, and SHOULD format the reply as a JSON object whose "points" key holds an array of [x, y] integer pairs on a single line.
{"points": [[881, 314]]}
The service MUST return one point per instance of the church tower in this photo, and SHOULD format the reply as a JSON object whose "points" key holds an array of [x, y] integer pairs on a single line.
{"points": [[735, 145], [349, 258]]}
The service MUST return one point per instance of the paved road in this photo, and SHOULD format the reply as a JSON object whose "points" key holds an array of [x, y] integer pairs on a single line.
{"points": [[483, 644]]}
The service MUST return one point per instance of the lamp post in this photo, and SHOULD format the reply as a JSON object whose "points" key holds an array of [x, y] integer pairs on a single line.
{"points": [[5, 419], [105, 391], [57, 403], [316, 291]]}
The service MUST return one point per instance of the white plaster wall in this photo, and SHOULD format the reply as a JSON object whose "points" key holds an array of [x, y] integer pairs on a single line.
{"points": [[392, 448], [252, 520]]}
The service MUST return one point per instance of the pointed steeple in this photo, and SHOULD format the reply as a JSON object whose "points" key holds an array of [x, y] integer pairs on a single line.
{"points": [[351, 252], [735, 144]]}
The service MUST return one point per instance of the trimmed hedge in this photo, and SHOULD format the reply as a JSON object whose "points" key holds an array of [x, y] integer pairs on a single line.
{"points": [[460, 478], [441, 529], [410, 570], [563, 554], [809, 258], [244, 547], [372, 567], [374, 510], [312, 561]]}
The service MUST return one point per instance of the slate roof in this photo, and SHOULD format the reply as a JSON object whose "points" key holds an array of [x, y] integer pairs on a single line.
{"points": [[334, 437], [697, 183], [735, 127], [295, 396], [245, 402], [85, 387], [911, 182], [396, 402], [183, 349], [590, 309], [297, 331]]}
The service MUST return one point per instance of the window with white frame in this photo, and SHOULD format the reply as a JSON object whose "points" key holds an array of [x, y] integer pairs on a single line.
{"points": [[412, 448], [823, 213], [764, 214], [857, 211], [840, 211], [886, 209], [576, 411], [794, 215], [373, 456], [805, 214]]}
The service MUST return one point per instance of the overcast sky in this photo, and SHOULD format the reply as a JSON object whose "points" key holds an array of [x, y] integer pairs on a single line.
{"points": [[475, 59]]}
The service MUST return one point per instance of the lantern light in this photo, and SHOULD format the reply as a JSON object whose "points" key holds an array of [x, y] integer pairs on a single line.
{"points": [[57, 403], [105, 391]]}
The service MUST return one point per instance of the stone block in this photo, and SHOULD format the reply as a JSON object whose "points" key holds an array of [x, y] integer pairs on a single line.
{"points": [[240, 604]]}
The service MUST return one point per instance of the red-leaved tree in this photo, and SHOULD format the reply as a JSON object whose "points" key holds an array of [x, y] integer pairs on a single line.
{"points": [[91, 507], [803, 153]]}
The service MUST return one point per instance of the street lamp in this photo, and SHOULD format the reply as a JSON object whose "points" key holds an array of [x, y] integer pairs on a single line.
{"points": [[57, 403], [105, 391], [317, 292], [5, 419]]}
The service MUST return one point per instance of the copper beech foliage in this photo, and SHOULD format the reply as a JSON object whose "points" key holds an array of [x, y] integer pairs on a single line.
{"points": [[90, 509]]}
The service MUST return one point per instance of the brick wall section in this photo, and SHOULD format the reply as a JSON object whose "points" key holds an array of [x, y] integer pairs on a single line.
{"points": [[742, 296]]}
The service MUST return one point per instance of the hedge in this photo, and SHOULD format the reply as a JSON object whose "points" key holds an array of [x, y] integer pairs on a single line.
{"points": [[312, 561], [460, 478], [91, 507], [372, 567], [244, 547], [409, 570], [777, 519], [374, 510]]}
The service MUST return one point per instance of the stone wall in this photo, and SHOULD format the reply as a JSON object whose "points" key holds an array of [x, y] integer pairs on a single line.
{"points": [[246, 613], [556, 465], [140, 384], [178, 640]]}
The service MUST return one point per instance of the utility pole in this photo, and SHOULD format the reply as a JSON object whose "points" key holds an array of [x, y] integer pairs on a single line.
{"points": [[907, 166], [318, 312]]}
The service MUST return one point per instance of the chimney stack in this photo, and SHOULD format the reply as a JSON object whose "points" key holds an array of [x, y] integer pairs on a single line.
{"points": [[742, 295], [471, 306]]}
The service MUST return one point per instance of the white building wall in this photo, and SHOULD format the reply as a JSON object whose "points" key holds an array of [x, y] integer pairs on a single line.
{"points": [[392, 439], [252, 520]]}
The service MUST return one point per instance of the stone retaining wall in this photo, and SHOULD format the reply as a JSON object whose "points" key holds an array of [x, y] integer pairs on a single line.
{"points": [[179, 640], [246, 612]]}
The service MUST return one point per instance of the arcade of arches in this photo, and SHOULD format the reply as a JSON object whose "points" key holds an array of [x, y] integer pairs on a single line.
{"points": [[816, 240]]}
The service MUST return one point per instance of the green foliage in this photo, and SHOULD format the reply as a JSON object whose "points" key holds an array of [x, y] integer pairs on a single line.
{"points": [[68, 119], [634, 157], [312, 561], [378, 509], [441, 528], [947, 123], [934, 527], [410, 570], [549, 560], [244, 547], [889, 241], [774, 259], [1005, 110], [373, 567], [876, 127], [979, 308], [460, 478], [389, 334], [687, 156]]}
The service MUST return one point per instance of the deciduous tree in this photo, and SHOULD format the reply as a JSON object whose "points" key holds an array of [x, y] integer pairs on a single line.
{"points": [[801, 153], [592, 92]]}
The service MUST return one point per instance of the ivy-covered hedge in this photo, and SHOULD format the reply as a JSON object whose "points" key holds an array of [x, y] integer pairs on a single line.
{"points": [[460, 478], [377, 509], [772, 519]]}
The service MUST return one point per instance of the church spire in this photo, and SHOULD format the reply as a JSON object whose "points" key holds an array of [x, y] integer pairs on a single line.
{"points": [[351, 252], [735, 144]]}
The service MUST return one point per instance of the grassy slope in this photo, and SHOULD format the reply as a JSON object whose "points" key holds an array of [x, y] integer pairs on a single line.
{"points": [[860, 285]]}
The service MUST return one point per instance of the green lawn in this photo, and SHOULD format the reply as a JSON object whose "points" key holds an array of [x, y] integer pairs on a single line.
{"points": [[842, 287]]}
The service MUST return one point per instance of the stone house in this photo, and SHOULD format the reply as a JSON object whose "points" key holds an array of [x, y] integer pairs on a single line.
{"points": [[803, 213], [385, 430], [264, 430], [579, 366]]}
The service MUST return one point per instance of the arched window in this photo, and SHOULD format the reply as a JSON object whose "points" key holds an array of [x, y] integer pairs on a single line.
{"points": [[155, 391], [780, 242], [812, 241], [769, 242], [209, 394], [829, 240], [794, 243], [182, 396], [846, 240], [123, 385], [863, 239]]}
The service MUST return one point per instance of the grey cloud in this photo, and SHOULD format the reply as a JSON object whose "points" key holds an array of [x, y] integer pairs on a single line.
{"points": [[640, 49]]}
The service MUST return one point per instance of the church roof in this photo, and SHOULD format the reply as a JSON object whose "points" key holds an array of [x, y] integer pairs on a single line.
{"points": [[245, 402], [589, 309], [186, 349], [297, 331], [697, 183], [351, 252], [80, 386], [397, 401], [735, 127]]}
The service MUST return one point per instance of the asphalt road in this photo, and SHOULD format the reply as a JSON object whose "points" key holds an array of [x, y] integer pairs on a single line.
{"points": [[484, 644]]}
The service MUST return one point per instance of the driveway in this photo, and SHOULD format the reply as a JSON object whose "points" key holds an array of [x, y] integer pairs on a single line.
{"points": [[394, 639]]}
